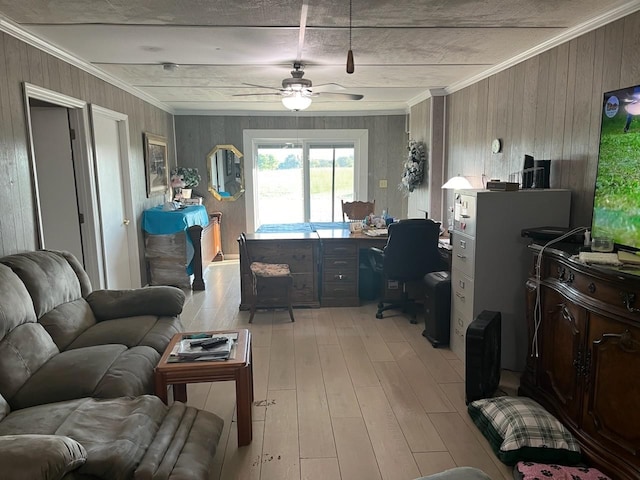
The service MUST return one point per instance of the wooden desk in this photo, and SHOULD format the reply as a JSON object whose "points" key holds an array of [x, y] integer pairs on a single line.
{"points": [[340, 265], [299, 250]]}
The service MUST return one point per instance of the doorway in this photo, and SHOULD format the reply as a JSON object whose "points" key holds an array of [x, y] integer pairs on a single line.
{"points": [[75, 195]]}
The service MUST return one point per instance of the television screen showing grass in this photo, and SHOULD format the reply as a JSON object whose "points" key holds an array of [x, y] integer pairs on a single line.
{"points": [[616, 212]]}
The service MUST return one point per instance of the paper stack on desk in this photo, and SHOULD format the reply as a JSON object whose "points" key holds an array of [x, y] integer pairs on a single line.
{"points": [[376, 232]]}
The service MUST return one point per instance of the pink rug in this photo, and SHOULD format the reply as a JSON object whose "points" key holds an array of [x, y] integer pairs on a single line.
{"points": [[541, 471]]}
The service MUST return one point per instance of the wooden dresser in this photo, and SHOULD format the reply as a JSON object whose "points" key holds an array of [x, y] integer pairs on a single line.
{"points": [[585, 366], [299, 251]]}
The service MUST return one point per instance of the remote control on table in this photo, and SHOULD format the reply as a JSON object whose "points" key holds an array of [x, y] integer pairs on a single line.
{"points": [[214, 342]]}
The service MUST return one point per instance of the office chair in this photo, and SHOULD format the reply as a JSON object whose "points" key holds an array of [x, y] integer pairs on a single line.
{"points": [[271, 283], [356, 210], [411, 252]]}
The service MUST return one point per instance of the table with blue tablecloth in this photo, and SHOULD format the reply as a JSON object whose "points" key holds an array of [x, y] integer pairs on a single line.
{"points": [[169, 245]]}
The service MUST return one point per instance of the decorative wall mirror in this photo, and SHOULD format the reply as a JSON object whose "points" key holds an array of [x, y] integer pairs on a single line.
{"points": [[225, 172]]}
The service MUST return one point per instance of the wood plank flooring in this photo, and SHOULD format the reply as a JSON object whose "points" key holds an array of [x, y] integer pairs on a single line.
{"points": [[339, 394]]}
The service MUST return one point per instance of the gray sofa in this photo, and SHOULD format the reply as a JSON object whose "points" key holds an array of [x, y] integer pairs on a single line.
{"points": [[76, 374]]}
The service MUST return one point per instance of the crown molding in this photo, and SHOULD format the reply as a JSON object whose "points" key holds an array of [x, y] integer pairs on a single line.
{"points": [[286, 113], [11, 28], [593, 24]]}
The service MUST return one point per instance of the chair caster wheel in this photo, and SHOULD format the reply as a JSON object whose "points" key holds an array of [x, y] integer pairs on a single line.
{"points": [[378, 315]]}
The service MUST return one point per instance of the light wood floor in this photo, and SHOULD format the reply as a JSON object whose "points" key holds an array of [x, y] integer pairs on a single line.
{"points": [[339, 394]]}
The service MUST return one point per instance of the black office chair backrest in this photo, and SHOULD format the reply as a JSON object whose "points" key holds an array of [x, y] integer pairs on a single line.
{"points": [[412, 249]]}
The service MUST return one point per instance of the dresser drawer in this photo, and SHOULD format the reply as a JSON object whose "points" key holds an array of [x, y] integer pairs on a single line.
{"points": [[462, 293], [463, 254]]}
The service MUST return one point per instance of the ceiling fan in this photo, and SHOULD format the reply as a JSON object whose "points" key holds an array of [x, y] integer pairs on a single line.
{"points": [[297, 92]]}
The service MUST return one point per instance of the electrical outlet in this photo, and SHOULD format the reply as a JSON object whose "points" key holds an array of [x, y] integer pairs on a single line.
{"points": [[383, 184]]}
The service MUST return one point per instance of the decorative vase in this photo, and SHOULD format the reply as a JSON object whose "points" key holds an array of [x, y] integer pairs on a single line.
{"points": [[186, 193]]}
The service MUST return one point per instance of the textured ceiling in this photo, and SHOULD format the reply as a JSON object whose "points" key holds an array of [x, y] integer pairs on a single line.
{"points": [[403, 49]]}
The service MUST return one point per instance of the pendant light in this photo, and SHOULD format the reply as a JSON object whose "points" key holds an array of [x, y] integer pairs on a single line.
{"points": [[350, 66]]}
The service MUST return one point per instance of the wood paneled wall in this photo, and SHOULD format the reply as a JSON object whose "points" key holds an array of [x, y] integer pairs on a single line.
{"points": [[197, 135], [548, 106], [20, 63]]}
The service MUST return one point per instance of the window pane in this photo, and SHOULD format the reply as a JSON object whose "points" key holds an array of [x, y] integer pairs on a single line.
{"points": [[345, 179], [279, 185], [331, 179]]}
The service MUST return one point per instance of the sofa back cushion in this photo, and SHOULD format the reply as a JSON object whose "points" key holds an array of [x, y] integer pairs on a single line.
{"points": [[16, 307], [57, 285], [22, 352]]}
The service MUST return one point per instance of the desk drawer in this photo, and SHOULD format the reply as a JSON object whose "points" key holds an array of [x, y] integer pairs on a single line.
{"points": [[340, 248], [298, 255], [339, 263], [303, 288], [341, 275], [339, 290]]}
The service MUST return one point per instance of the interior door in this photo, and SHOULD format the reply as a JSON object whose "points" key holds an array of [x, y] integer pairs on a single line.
{"points": [[56, 179], [117, 229]]}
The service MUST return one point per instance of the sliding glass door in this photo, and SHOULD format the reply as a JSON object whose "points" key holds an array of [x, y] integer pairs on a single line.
{"points": [[331, 179], [303, 182]]}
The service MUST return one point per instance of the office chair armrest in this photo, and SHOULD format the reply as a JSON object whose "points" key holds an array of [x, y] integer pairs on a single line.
{"points": [[376, 259]]}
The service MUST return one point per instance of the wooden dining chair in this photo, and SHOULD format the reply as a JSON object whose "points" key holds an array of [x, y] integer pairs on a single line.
{"points": [[357, 210], [272, 283]]}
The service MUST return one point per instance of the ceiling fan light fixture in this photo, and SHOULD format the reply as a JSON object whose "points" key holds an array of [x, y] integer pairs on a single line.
{"points": [[296, 101]]}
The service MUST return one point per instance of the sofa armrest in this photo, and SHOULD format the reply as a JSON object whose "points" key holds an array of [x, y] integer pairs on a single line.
{"points": [[160, 301], [47, 457]]}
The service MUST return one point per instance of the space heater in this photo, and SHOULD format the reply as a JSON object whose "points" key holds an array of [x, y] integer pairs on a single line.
{"points": [[482, 356]]}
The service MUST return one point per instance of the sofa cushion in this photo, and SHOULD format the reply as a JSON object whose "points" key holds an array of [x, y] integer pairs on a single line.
{"points": [[23, 351], [124, 433], [518, 428], [46, 457], [148, 330], [102, 371], [161, 301], [67, 321]]}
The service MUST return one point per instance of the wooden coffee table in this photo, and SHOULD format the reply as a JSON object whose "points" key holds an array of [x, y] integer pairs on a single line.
{"points": [[239, 369]]}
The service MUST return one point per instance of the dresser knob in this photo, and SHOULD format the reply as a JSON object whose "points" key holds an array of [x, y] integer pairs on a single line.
{"points": [[592, 287]]}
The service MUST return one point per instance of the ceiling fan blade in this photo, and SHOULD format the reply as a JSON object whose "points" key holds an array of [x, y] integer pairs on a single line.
{"points": [[345, 96], [327, 87], [261, 86], [273, 94]]}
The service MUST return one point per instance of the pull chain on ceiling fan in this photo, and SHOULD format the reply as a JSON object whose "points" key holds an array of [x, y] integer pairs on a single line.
{"points": [[350, 66]]}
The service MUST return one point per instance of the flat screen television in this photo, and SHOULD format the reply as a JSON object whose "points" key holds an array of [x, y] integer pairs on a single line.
{"points": [[616, 205]]}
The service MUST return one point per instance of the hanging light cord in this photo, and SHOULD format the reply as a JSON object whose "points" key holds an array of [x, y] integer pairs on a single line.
{"points": [[350, 66], [350, 5]]}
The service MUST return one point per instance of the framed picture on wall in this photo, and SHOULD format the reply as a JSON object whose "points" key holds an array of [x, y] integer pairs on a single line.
{"points": [[156, 164]]}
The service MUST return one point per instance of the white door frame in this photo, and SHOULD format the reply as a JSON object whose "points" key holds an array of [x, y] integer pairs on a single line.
{"points": [[132, 236], [84, 166]]}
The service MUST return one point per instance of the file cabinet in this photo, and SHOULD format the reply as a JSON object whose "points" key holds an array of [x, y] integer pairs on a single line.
{"points": [[490, 264]]}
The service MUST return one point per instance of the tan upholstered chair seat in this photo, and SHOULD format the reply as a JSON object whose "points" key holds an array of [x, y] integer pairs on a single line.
{"points": [[260, 269]]}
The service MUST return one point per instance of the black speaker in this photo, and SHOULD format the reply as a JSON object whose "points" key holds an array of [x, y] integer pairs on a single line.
{"points": [[437, 308], [482, 356]]}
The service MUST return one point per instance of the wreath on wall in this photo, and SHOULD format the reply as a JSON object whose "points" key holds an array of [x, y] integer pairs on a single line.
{"points": [[413, 173]]}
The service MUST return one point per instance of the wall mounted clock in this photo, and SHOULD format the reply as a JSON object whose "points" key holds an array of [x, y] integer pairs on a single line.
{"points": [[496, 145]]}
